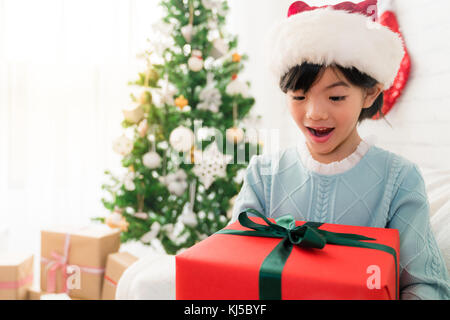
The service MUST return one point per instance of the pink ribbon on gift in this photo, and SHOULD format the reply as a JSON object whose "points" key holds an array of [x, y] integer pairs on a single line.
{"points": [[16, 284], [58, 261]]}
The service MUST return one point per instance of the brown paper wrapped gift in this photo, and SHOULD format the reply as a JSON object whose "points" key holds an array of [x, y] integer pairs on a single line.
{"points": [[33, 294], [16, 275], [82, 253], [116, 264]]}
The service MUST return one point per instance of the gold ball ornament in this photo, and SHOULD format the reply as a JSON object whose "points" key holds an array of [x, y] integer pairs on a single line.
{"points": [[153, 76], [134, 114], [235, 135], [146, 97]]}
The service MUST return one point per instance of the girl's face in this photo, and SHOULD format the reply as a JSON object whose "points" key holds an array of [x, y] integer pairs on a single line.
{"points": [[332, 102]]}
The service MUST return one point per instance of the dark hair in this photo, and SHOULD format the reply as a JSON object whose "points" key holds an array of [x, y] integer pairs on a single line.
{"points": [[303, 76]]}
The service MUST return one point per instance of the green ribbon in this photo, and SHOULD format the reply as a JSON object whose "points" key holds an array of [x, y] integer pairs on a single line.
{"points": [[307, 235]]}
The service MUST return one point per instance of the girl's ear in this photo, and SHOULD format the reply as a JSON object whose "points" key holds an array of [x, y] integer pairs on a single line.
{"points": [[371, 95]]}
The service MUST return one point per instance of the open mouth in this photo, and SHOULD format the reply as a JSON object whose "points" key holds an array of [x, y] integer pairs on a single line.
{"points": [[321, 133]]}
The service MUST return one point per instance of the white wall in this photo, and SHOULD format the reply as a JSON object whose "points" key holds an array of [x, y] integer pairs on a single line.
{"points": [[421, 117]]}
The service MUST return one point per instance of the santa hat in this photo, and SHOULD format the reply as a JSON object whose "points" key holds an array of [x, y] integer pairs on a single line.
{"points": [[346, 34]]}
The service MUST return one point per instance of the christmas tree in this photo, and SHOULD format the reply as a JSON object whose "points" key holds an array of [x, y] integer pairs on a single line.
{"points": [[186, 149]]}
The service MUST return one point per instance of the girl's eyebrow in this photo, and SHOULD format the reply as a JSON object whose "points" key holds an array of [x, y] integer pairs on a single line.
{"points": [[337, 84]]}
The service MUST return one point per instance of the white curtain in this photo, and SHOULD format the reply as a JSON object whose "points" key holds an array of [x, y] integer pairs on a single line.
{"points": [[64, 69]]}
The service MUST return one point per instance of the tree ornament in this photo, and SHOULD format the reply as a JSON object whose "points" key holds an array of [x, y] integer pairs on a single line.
{"points": [[187, 32], [195, 62], [145, 97], [165, 93], [212, 24], [116, 220], [236, 57], [151, 160], [175, 182], [181, 139], [123, 145], [212, 4], [235, 135], [211, 164], [134, 114], [181, 102], [152, 234], [188, 217], [236, 87], [176, 235], [210, 97], [128, 181], [162, 33], [388, 18], [219, 49], [143, 128]]}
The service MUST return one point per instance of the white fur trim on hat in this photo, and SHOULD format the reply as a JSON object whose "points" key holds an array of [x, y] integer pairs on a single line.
{"points": [[326, 36]]}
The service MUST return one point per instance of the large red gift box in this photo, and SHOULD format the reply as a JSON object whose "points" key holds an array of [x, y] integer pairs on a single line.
{"points": [[227, 266]]}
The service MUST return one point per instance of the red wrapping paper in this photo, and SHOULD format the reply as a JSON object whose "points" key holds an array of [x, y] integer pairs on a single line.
{"points": [[227, 267]]}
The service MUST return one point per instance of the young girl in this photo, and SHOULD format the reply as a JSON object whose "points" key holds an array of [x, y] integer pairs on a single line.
{"points": [[334, 63]]}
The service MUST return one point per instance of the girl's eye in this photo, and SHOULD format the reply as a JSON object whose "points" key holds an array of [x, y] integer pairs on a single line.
{"points": [[338, 98], [298, 98]]}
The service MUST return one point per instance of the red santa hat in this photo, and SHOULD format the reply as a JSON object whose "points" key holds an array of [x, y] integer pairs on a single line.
{"points": [[346, 34]]}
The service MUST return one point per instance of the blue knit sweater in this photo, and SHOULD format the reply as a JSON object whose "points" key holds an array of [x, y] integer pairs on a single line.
{"points": [[382, 190]]}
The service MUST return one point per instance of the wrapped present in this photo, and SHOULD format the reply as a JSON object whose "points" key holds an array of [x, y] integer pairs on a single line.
{"points": [[34, 294], [16, 275], [73, 259], [261, 258], [116, 264]]}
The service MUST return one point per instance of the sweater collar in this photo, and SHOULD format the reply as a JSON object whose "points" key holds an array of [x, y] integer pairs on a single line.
{"points": [[335, 167]]}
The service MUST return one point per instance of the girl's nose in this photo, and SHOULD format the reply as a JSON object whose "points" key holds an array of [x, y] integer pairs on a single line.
{"points": [[315, 112]]}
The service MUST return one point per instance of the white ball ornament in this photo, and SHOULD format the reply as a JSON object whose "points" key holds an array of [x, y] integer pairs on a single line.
{"points": [[151, 160], [236, 87], [195, 62], [123, 145], [182, 139]]}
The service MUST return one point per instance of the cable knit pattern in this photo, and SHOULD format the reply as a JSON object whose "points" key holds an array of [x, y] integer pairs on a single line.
{"points": [[394, 171], [322, 200], [371, 187]]}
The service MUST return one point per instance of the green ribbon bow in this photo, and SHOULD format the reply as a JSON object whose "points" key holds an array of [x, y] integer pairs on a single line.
{"points": [[307, 235]]}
